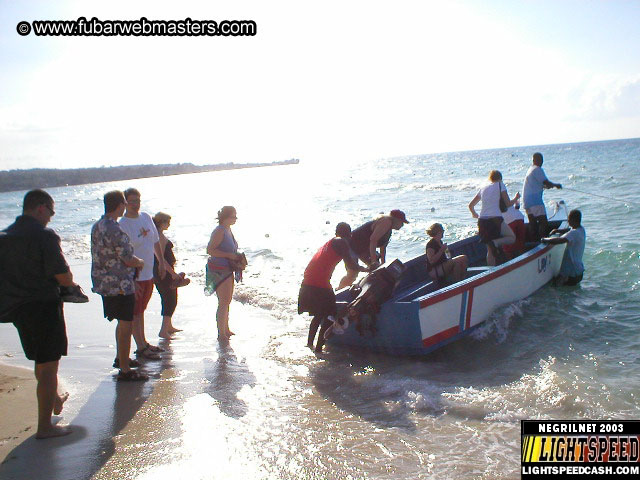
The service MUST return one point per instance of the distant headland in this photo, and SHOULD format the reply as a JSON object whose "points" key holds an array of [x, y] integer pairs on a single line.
{"points": [[13, 180]]}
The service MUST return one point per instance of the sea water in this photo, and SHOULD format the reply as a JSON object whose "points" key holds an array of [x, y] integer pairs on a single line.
{"points": [[560, 354]]}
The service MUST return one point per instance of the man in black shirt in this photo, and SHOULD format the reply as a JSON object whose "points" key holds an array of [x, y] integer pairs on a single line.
{"points": [[32, 268]]}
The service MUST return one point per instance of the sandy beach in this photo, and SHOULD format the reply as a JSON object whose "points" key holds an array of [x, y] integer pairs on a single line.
{"points": [[111, 419], [18, 407], [199, 411]]}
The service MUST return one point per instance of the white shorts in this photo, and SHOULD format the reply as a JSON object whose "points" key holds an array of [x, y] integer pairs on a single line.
{"points": [[536, 211]]}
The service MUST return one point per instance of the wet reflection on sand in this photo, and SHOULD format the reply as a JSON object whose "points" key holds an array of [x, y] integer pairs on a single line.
{"points": [[226, 377]]}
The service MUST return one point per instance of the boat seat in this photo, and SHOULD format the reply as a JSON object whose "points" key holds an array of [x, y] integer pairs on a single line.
{"points": [[419, 292], [473, 271]]}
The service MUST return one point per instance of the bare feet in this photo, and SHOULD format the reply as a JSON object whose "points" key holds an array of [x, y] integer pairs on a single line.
{"points": [[53, 431], [174, 330], [59, 403], [230, 333], [165, 335]]}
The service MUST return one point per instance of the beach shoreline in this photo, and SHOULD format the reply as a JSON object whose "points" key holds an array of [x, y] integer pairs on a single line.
{"points": [[109, 419]]}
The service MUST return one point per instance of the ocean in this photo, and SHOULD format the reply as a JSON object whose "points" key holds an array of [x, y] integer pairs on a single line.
{"points": [[567, 353]]}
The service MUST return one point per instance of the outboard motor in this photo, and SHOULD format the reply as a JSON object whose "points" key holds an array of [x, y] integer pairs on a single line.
{"points": [[371, 292]]}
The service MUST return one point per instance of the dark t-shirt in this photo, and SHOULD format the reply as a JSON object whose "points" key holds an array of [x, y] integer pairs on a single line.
{"points": [[435, 245], [30, 257], [361, 237]]}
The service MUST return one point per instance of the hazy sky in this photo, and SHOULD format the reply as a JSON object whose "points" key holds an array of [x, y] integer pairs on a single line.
{"points": [[322, 81]]}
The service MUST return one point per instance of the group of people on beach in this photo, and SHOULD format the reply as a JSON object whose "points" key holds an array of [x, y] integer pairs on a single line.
{"points": [[501, 227], [130, 254]]}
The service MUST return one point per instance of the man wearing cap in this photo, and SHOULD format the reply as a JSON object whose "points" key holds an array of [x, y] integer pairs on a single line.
{"points": [[373, 235], [316, 294]]}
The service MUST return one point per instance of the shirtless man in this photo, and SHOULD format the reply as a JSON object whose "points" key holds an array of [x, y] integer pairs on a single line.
{"points": [[373, 235]]}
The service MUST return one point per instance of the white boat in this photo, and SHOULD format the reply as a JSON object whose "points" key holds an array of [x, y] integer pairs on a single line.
{"points": [[422, 316]]}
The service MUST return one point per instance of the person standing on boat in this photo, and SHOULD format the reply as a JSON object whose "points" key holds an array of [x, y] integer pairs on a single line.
{"points": [[515, 219], [440, 266], [534, 183], [491, 226], [572, 268], [316, 294], [373, 235]]}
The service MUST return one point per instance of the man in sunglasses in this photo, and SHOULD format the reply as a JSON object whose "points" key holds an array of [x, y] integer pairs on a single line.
{"points": [[32, 270]]}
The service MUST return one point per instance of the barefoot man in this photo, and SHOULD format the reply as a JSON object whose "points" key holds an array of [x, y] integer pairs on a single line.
{"points": [[32, 268]]}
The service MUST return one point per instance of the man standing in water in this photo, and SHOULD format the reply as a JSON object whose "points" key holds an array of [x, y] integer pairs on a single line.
{"points": [[146, 242], [534, 182], [572, 268], [32, 268]]}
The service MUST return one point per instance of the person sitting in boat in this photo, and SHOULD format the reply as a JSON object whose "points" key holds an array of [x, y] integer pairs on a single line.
{"points": [[515, 219], [440, 266], [491, 226], [572, 268], [316, 294], [373, 235]]}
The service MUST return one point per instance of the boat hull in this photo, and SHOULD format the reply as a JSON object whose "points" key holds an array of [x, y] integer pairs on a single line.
{"points": [[451, 313], [420, 325]]}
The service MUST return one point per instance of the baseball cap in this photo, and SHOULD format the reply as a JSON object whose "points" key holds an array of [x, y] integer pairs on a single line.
{"points": [[399, 214]]}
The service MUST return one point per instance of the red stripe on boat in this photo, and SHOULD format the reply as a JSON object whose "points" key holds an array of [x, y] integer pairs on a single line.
{"points": [[439, 337], [467, 322], [483, 279]]}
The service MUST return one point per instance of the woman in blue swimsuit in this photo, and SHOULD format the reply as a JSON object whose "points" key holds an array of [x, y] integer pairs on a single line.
{"points": [[222, 250]]}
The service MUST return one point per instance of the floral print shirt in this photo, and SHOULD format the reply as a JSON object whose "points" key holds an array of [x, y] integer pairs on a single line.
{"points": [[110, 247]]}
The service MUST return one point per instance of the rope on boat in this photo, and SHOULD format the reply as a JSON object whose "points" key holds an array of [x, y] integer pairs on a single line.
{"points": [[626, 202]]}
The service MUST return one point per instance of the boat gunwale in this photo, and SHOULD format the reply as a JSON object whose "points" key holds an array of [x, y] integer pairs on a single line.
{"points": [[481, 278]]}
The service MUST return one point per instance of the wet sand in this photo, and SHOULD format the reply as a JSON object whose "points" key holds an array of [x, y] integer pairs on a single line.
{"points": [[193, 412], [18, 407], [262, 407]]}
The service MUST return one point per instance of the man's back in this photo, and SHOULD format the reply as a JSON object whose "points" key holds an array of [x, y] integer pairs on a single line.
{"points": [[30, 257], [572, 265], [110, 245]]}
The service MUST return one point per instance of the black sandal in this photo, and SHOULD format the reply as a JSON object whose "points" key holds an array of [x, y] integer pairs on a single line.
{"points": [[131, 376], [154, 348], [147, 353], [133, 363]]}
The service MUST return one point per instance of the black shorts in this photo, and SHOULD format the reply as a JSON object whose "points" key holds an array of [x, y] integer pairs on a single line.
{"points": [[119, 307], [42, 331], [489, 228], [317, 301]]}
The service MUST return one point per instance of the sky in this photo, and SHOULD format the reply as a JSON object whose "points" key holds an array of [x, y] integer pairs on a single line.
{"points": [[329, 81]]}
